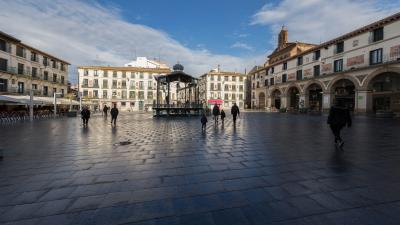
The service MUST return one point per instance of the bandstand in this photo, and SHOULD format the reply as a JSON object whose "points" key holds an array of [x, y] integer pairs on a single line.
{"points": [[186, 99]]}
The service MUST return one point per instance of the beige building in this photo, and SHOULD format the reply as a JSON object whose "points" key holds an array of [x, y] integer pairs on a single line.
{"points": [[132, 87], [223, 88], [23, 66], [361, 67]]}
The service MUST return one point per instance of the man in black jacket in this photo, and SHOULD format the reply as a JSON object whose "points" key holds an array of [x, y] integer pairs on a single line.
{"points": [[235, 112], [339, 116], [114, 114]]}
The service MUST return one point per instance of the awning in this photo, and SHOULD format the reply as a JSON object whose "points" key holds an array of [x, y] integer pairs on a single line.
{"points": [[215, 101], [25, 100]]}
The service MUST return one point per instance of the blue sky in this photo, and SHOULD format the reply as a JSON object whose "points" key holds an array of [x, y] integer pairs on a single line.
{"points": [[215, 25], [235, 34]]}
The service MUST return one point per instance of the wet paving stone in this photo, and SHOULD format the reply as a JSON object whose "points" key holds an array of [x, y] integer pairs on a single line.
{"points": [[268, 169]]}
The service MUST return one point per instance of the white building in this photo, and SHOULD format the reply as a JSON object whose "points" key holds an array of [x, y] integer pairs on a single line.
{"points": [[131, 87], [23, 66], [361, 67], [223, 88]]}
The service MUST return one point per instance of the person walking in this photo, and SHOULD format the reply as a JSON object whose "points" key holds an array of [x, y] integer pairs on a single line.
{"points": [[339, 117], [222, 116], [235, 112], [203, 122], [215, 113], [114, 114], [85, 114], [105, 110]]}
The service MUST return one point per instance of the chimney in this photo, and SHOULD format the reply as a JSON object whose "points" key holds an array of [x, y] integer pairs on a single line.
{"points": [[283, 37]]}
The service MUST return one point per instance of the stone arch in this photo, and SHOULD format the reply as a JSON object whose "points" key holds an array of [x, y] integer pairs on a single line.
{"points": [[293, 93], [344, 89], [275, 95], [311, 82], [293, 85], [365, 83], [341, 77]]}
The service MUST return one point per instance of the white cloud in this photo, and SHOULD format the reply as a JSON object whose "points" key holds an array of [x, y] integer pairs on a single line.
{"points": [[242, 45], [87, 33], [320, 20]]}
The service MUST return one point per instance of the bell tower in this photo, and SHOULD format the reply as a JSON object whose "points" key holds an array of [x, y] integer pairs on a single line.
{"points": [[283, 37]]}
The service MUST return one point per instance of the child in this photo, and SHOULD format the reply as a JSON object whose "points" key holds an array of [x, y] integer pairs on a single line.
{"points": [[222, 115], [203, 122]]}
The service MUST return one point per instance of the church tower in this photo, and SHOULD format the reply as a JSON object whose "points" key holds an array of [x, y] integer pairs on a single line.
{"points": [[283, 37]]}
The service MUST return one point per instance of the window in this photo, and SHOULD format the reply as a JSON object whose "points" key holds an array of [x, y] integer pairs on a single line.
{"points": [[272, 70], [34, 57], [284, 66], [233, 87], [226, 97], [300, 60], [226, 78], [124, 84], [339, 47], [141, 85], [149, 84], [62, 92], [299, 75], [219, 78], [63, 67], [141, 76], [95, 73], [212, 86], [377, 34], [219, 87], [266, 82], [34, 71], [316, 71], [132, 94], [123, 95], [271, 81], [375, 56], [233, 96], [123, 74], [3, 64], [105, 94], [338, 65], [240, 96], [258, 84], [226, 88], [20, 87], [85, 83], [20, 51], [211, 78], [240, 87], [105, 73], [123, 104], [20, 68], [115, 74], [34, 86], [54, 77], [233, 78], [3, 85], [317, 55], [45, 90], [62, 79], [149, 95], [105, 83], [114, 84], [284, 78], [95, 93], [96, 83], [45, 75], [141, 95], [45, 61], [3, 45], [241, 79], [133, 75], [54, 63]]}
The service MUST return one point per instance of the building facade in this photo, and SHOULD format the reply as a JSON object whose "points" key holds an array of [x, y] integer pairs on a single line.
{"points": [[362, 68], [223, 88], [132, 87], [23, 67]]}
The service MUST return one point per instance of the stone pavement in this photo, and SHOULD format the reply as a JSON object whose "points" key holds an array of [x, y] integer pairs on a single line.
{"points": [[270, 169]]}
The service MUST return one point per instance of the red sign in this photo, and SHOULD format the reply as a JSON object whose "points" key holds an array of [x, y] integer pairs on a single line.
{"points": [[291, 76], [215, 101], [326, 67], [307, 73], [355, 60]]}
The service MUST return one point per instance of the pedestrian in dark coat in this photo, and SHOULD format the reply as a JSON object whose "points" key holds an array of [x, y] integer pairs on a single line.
{"points": [[235, 112], [222, 115], [339, 117], [105, 110], [216, 113], [85, 114], [203, 122], [114, 114]]}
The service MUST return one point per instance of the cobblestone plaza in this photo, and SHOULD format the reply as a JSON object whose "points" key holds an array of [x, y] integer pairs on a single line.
{"points": [[269, 169]]}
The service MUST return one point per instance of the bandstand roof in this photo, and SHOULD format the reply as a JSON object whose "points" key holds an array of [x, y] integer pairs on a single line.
{"points": [[176, 76]]}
